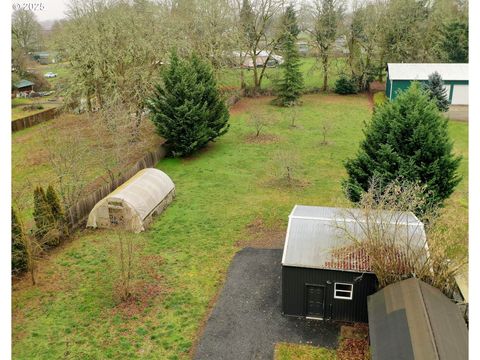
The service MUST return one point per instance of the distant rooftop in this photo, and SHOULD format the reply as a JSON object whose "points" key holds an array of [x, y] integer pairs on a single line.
{"points": [[421, 71], [23, 83], [316, 237]]}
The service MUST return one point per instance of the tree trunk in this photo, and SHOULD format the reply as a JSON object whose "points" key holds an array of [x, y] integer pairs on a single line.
{"points": [[264, 67], [98, 95], [256, 85], [325, 72], [242, 79]]}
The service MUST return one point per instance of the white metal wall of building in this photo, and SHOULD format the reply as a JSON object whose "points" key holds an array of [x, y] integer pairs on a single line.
{"points": [[460, 95]]}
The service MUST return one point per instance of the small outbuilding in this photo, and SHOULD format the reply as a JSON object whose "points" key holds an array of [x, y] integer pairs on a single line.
{"points": [[25, 86], [133, 205], [324, 275], [455, 78], [412, 320]]}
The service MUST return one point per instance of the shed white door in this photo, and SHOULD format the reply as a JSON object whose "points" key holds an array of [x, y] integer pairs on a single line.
{"points": [[460, 95]]}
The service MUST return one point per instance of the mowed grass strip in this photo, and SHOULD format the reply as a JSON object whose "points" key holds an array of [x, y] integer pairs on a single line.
{"points": [[220, 191], [284, 351]]}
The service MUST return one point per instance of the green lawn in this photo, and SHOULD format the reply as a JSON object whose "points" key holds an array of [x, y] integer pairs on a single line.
{"points": [[20, 106], [72, 313], [61, 69], [311, 69], [285, 351]]}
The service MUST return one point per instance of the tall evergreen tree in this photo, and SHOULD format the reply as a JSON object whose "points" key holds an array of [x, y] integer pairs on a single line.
{"points": [[407, 139], [187, 108], [437, 92], [54, 204], [289, 24], [42, 213], [56, 210], [454, 41], [290, 86], [19, 252]]}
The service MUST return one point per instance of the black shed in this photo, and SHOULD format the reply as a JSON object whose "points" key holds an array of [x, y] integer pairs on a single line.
{"points": [[323, 275]]}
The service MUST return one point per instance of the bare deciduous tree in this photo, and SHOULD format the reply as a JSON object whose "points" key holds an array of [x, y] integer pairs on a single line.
{"points": [[126, 250], [291, 114], [326, 127], [258, 26], [259, 121], [26, 31], [396, 251], [286, 167], [326, 19], [66, 157]]}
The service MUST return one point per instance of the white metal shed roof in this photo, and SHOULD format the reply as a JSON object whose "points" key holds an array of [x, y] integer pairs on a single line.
{"points": [[313, 233], [421, 71]]}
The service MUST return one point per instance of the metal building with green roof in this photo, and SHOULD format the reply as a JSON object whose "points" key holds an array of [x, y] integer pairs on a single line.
{"points": [[455, 78]]}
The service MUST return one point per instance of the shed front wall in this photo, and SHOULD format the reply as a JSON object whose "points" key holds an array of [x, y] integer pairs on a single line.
{"points": [[294, 299], [393, 86]]}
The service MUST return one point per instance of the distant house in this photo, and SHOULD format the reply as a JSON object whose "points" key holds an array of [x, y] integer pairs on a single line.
{"points": [[303, 48], [411, 320], [42, 57], [455, 77], [324, 276], [25, 86]]}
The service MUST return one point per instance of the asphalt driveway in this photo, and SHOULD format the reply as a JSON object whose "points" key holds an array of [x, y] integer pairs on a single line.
{"points": [[246, 321]]}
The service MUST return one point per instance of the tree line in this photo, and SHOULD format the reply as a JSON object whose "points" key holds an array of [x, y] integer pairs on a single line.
{"points": [[116, 47]]}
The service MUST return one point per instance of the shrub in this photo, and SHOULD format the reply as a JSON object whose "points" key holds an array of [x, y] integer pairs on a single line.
{"points": [[46, 231], [345, 85], [56, 210], [437, 264], [186, 108], [19, 251], [379, 99], [437, 92], [407, 139]]}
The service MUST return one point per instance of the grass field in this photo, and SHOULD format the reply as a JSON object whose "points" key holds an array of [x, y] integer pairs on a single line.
{"points": [[227, 195], [19, 104], [311, 70], [302, 352]]}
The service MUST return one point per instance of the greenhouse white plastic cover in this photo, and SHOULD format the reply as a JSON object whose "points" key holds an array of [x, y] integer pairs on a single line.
{"points": [[133, 204], [314, 232]]}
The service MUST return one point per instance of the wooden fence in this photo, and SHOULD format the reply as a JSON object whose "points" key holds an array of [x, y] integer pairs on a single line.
{"points": [[35, 119], [77, 215]]}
